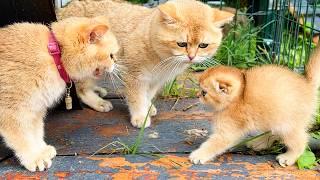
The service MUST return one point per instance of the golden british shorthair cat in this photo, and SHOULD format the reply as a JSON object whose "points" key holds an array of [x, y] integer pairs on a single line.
{"points": [[266, 98], [157, 43], [30, 82]]}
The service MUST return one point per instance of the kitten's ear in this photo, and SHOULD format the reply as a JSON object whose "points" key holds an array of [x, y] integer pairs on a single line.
{"points": [[168, 13], [221, 17], [97, 32], [222, 87]]}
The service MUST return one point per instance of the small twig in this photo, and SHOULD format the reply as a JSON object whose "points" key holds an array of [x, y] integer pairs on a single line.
{"points": [[190, 106], [174, 105]]}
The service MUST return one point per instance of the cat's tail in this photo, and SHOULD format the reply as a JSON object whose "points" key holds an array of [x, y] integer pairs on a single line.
{"points": [[313, 68]]}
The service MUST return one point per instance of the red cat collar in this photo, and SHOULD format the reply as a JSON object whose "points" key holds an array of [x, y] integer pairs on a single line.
{"points": [[54, 50]]}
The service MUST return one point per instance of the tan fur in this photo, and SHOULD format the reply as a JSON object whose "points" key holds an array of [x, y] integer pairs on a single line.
{"points": [[149, 37], [30, 82], [266, 98]]}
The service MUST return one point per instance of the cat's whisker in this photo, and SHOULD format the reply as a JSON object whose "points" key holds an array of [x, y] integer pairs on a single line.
{"points": [[157, 66], [173, 70], [112, 81], [166, 68], [117, 87], [120, 77], [121, 73], [122, 97]]}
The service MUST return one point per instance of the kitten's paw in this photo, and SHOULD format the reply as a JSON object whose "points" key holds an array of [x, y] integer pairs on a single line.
{"points": [[153, 110], [286, 159], [101, 91], [138, 121], [200, 156], [41, 160], [103, 106]]}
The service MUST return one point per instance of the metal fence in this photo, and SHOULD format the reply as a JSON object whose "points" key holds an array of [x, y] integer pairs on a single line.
{"points": [[287, 30]]}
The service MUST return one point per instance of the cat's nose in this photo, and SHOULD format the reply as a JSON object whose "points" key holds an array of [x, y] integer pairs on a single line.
{"points": [[191, 57]]}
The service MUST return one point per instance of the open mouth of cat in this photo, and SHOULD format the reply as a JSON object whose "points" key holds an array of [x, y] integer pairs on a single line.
{"points": [[98, 72]]}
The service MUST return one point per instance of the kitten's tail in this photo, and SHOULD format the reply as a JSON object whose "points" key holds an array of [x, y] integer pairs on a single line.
{"points": [[313, 68]]}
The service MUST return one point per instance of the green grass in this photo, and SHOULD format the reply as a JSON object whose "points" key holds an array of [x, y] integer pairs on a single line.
{"points": [[185, 87], [123, 148], [138, 1]]}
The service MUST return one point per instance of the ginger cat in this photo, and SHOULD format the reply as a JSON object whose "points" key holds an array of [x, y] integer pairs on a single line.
{"points": [[157, 43], [266, 98], [30, 82]]}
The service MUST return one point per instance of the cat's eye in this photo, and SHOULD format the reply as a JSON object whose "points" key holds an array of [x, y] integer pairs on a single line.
{"points": [[182, 44], [203, 93], [111, 56], [203, 45]]}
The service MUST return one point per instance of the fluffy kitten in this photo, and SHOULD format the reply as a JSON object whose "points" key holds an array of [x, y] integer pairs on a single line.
{"points": [[157, 44], [30, 82], [266, 98]]}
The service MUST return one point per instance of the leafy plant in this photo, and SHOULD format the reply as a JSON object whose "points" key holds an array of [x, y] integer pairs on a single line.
{"points": [[307, 160], [138, 1], [182, 88], [239, 47]]}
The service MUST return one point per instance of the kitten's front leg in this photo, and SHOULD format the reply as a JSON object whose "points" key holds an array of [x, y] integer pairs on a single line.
{"points": [[215, 145], [22, 134], [87, 89]]}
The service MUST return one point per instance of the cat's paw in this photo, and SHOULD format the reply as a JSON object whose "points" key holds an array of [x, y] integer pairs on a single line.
{"points": [[286, 159], [101, 91], [103, 106], [153, 110], [138, 121], [40, 161], [200, 156]]}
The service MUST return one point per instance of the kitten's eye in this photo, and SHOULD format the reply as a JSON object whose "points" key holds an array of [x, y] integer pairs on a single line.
{"points": [[182, 44], [111, 56], [203, 45], [203, 93]]}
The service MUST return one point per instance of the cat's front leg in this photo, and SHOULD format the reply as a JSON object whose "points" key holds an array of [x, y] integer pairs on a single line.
{"points": [[23, 133], [152, 92], [87, 91], [217, 143], [139, 103]]}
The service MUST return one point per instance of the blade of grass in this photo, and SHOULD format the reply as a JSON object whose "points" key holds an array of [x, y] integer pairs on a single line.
{"points": [[138, 141]]}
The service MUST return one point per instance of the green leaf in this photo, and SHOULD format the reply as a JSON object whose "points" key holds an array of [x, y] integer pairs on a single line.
{"points": [[307, 160], [316, 135]]}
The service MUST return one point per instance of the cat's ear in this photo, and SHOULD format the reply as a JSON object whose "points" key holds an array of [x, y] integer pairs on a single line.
{"points": [[221, 17], [96, 33], [222, 87], [168, 12]]}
